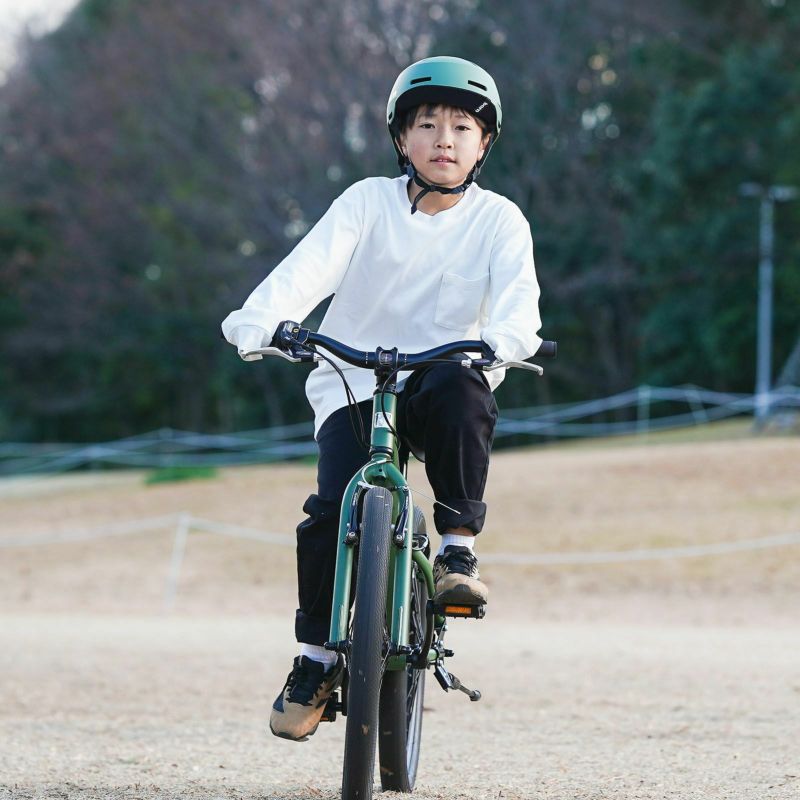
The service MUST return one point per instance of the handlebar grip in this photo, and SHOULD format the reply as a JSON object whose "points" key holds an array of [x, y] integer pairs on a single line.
{"points": [[547, 349]]}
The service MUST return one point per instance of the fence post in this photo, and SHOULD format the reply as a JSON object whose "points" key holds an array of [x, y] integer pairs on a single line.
{"points": [[697, 406], [643, 410], [178, 551]]}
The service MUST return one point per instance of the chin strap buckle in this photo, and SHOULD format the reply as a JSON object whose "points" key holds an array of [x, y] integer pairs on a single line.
{"points": [[413, 175]]}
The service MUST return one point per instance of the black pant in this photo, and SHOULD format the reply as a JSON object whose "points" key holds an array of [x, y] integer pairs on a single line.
{"points": [[447, 411]]}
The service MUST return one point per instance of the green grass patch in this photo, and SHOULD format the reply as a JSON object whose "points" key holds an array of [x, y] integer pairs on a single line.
{"points": [[171, 474]]}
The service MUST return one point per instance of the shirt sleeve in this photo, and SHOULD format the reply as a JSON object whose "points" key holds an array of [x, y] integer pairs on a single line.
{"points": [[513, 307], [310, 273]]}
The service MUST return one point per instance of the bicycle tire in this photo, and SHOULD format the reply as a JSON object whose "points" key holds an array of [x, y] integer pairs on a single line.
{"points": [[402, 698], [367, 650]]}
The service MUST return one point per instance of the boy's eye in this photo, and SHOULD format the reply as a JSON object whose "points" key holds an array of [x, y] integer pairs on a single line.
{"points": [[458, 127]]}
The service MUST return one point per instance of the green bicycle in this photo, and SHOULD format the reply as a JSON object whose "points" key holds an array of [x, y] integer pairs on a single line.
{"points": [[394, 631]]}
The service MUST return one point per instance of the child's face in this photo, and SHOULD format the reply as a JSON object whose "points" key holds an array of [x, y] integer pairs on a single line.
{"points": [[443, 144]]}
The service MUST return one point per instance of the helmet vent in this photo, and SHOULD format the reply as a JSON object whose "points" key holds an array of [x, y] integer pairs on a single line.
{"points": [[473, 83], [422, 80]]}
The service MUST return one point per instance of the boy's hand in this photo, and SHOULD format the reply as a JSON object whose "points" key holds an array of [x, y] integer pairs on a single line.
{"points": [[247, 338]]}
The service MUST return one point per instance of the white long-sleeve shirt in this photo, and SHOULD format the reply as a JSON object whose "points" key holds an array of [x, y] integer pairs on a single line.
{"points": [[406, 281]]}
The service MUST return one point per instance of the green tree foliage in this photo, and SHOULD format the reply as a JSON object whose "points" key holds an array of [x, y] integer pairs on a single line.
{"points": [[158, 159], [730, 119]]}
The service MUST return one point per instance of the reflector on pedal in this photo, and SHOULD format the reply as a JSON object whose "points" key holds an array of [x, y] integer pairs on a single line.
{"points": [[452, 610], [457, 610]]}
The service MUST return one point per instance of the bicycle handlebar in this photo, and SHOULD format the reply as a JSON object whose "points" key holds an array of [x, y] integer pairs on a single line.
{"points": [[393, 358], [547, 349], [295, 340]]}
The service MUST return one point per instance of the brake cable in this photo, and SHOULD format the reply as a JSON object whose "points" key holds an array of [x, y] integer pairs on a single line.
{"points": [[352, 404], [389, 378]]}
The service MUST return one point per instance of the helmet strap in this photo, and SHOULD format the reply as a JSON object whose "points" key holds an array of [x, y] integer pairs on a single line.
{"points": [[412, 173]]}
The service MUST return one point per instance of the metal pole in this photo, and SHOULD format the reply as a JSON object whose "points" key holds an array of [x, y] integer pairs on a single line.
{"points": [[766, 240], [768, 196]]}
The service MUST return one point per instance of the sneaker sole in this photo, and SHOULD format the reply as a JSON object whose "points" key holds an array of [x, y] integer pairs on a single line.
{"points": [[291, 738], [460, 595]]}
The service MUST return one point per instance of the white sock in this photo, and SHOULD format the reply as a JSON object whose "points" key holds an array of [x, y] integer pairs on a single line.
{"points": [[454, 538], [317, 652]]}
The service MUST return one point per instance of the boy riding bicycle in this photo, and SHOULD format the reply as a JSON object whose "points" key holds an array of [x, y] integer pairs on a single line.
{"points": [[418, 261]]}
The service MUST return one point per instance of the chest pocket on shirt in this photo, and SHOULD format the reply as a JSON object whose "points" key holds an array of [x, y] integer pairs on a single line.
{"points": [[460, 299]]}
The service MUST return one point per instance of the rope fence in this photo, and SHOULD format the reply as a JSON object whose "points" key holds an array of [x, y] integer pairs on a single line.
{"points": [[183, 449], [183, 523]]}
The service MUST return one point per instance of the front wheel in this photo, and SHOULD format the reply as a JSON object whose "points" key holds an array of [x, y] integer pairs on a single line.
{"points": [[367, 650], [402, 696]]}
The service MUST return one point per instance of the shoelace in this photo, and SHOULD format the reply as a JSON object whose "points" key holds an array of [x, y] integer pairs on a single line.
{"points": [[460, 560], [299, 684]]}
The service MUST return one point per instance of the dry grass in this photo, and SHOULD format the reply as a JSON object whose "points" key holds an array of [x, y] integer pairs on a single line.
{"points": [[683, 684], [617, 495]]}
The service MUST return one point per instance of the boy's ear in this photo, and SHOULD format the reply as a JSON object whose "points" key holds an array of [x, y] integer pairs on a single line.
{"points": [[487, 138], [402, 145]]}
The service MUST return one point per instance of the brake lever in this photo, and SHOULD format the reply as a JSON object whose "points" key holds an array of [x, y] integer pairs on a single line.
{"points": [[254, 355], [519, 364]]}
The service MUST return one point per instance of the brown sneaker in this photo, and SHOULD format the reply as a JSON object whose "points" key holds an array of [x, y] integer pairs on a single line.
{"points": [[457, 579], [297, 710]]}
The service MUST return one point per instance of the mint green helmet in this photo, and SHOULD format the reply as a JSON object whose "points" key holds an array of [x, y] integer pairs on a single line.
{"points": [[450, 81]]}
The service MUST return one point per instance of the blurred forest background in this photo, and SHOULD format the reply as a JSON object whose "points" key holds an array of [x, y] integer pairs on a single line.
{"points": [[158, 159]]}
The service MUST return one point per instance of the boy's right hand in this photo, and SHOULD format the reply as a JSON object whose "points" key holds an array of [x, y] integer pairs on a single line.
{"points": [[247, 338]]}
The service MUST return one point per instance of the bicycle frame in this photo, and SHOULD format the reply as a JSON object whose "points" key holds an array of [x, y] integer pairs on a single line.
{"points": [[384, 683], [382, 469], [298, 344]]}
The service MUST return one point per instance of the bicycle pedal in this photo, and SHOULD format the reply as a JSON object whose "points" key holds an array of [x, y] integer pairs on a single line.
{"points": [[458, 610], [331, 707]]}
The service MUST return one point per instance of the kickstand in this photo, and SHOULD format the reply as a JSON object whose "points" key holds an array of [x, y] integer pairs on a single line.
{"points": [[449, 681]]}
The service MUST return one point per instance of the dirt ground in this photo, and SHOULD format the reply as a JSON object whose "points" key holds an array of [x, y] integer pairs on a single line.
{"points": [[671, 678]]}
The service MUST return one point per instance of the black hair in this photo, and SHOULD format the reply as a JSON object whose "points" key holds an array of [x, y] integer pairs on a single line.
{"points": [[407, 116]]}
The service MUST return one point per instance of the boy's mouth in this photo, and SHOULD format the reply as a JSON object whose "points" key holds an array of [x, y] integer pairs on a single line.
{"points": [[443, 160]]}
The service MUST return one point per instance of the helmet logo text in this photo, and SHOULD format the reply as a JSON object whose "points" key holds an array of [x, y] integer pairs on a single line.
{"points": [[481, 107]]}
